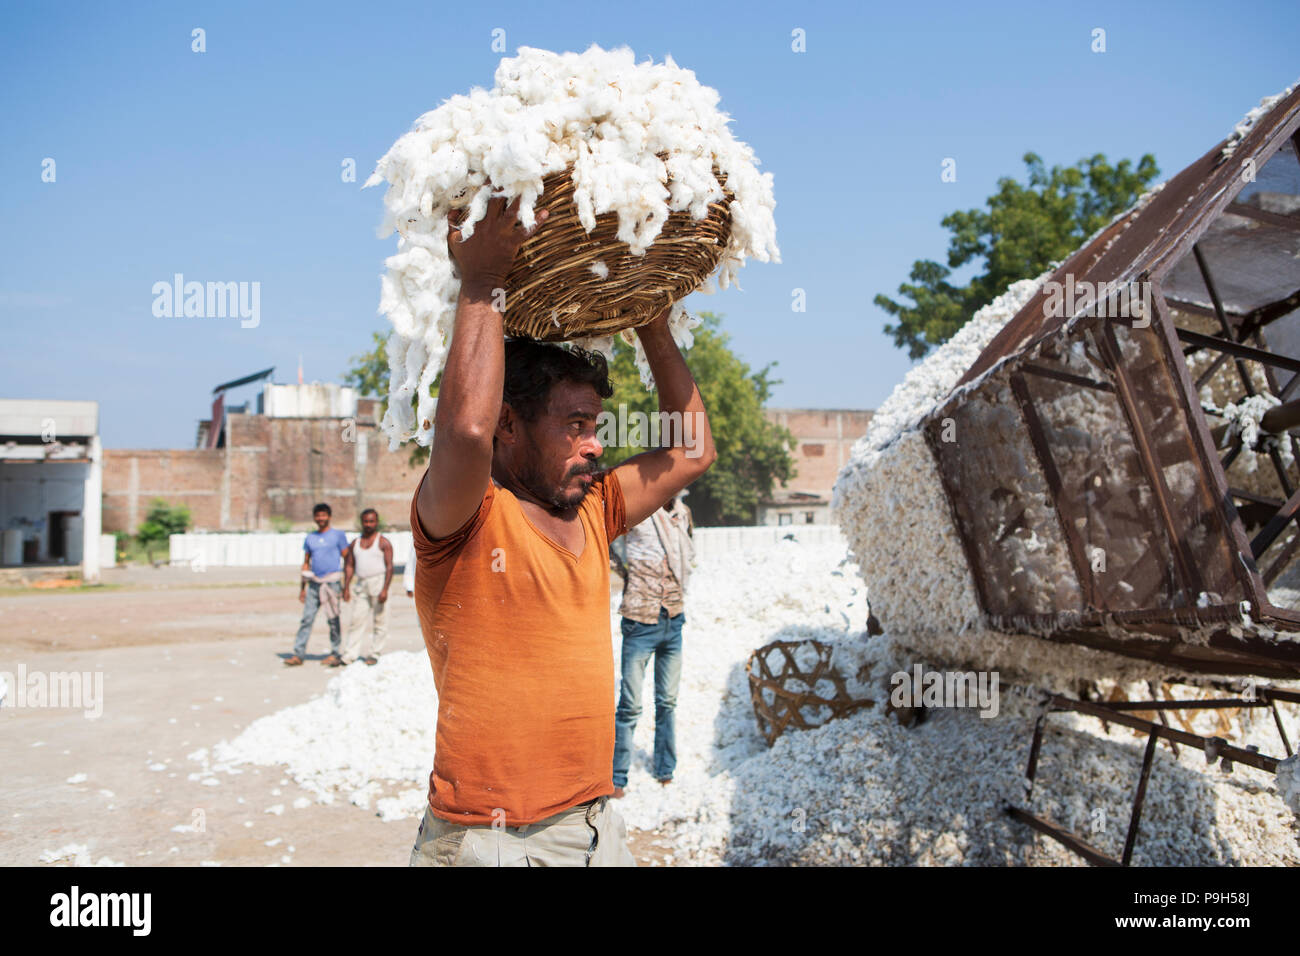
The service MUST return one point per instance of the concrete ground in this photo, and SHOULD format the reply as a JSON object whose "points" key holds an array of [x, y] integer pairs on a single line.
{"points": [[187, 659]]}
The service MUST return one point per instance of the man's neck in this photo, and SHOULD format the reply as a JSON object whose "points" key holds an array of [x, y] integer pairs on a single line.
{"points": [[506, 479]]}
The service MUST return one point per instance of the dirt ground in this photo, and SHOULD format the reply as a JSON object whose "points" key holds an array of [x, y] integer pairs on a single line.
{"points": [[187, 660]]}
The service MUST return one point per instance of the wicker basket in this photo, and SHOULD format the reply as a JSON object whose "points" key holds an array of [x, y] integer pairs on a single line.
{"points": [[552, 294], [780, 704]]}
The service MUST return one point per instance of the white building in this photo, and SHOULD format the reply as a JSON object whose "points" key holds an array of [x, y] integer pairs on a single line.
{"points": [[317, 400], [51, 479]]}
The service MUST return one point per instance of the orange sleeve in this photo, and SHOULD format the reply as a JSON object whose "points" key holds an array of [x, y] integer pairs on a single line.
{"points": [[615, 509], [429, 551]]}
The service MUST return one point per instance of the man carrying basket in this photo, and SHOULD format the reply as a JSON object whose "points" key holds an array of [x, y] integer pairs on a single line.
{"points": [[512, 523]]}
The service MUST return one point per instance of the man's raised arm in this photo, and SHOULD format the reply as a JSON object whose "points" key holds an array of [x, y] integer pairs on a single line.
{"points": [[469, 398], [651, 478]]}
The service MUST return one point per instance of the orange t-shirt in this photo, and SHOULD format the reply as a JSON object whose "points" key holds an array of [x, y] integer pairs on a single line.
{"points": [[517, 630]]}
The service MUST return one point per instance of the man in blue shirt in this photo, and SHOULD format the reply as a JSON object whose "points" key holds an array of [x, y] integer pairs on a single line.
{"points": [[322, 585]]}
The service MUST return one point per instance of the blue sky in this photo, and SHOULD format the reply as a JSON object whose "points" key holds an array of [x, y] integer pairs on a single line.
{"points": [[225, 165]]}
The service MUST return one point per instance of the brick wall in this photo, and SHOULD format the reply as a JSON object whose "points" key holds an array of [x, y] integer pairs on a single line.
{"points": [[269, 467], [132, 479], [280, 467], [825, 440]]}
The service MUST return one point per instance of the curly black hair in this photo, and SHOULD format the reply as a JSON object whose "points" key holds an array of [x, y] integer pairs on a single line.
{"points": [[532, 367]]}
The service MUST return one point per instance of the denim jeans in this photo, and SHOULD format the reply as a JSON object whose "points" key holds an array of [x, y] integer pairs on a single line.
{"points": [[663, 640], [309, 608]]}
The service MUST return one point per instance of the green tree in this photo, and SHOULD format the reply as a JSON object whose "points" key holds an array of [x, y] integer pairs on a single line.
{"points": [[369, 376], [161, 521], [753, 453], [1024, 230], [369, 371]]}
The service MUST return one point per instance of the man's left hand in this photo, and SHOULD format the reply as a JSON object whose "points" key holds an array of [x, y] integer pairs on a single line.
{"points": [[383, 596], [658, 324]]}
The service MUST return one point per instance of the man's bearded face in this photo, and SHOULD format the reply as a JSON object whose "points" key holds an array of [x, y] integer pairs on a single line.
{"points": [[559, 452]]}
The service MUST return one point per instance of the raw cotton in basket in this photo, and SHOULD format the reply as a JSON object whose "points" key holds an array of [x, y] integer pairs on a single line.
{"points": [[643, 141]]}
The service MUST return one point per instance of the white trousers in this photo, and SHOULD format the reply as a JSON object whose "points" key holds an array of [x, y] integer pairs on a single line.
{"points": [[368, 614]]}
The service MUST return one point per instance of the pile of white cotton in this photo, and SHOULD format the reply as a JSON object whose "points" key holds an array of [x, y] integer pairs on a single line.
{"points": [[600, 112], [1288, 782], [859, 790]]}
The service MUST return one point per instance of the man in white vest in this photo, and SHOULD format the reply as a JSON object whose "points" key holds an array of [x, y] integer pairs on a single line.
{"points": [[369, 560], [659, 554]]}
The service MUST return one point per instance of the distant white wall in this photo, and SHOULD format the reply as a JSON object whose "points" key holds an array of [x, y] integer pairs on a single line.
{"points": [[259, 550], [711, 541], [285, 550], [107, 550]]}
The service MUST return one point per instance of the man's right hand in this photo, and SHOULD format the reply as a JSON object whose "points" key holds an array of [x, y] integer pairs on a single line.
{"points": [[485, 257], [302, 597], [469, 399]]}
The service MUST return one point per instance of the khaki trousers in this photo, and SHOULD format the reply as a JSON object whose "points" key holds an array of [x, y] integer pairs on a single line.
{"points": [[590, 834], [367, 614]]}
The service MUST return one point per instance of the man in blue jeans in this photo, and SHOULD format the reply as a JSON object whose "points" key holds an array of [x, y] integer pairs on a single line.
{"points": [[322, 586], [658, 564]]}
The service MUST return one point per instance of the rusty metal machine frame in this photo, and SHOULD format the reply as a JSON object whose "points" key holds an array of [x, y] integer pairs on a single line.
{"points": [[1144, 247], [1215, 748]]}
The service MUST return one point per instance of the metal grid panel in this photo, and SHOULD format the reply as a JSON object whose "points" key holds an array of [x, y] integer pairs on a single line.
{"points": [[1084, 478]]}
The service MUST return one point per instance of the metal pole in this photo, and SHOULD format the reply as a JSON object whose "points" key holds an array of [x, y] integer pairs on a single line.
{"points": [[1136, 818]]}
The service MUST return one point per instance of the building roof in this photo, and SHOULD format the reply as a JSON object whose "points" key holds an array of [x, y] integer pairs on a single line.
{"points": [[35, 418], [846, 411], [789, 498]]}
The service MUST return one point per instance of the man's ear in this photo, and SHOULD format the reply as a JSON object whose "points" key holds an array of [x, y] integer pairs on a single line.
{"points": [[507, 425]]}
